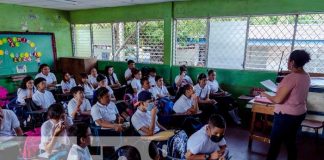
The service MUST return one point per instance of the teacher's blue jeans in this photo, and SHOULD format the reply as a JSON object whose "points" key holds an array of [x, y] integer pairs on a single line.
{"points": [[284, 130]]}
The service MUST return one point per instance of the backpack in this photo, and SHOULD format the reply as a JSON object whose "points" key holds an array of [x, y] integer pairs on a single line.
{"points": [[177, 145]]}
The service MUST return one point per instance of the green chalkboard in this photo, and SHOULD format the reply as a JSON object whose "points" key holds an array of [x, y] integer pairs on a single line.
{"points": [[23, 52]]}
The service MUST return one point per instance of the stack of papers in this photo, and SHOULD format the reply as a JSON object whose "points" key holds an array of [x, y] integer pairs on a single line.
{"points": [[262, 99], [269, 85]]}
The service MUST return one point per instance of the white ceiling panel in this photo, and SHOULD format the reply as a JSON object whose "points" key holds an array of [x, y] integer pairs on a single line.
{"points": [[79, 4]]}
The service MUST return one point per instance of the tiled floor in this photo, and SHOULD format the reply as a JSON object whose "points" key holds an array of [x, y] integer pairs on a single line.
{"points": [[237, 140]]}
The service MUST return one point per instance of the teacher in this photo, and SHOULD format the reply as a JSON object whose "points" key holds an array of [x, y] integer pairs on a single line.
{"points": [[290, 106]]}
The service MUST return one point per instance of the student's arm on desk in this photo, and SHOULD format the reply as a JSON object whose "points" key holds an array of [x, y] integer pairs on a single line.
{"points": [[105, 124], [281, 94], [191, 156]]}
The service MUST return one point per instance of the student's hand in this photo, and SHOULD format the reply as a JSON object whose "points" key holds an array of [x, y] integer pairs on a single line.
{"points": [[212, 101], [58, 130], [120, 120], [118, 127], [79, 102], [215, 155]]}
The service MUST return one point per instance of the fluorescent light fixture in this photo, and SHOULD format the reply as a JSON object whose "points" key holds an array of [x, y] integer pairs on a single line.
{"points": [[73, 2]]}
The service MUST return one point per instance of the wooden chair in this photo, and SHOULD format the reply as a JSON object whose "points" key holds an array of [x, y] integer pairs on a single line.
{"points": [[314, 124]]}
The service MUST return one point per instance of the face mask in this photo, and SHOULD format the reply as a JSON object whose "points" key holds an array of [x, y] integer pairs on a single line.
{"points": [[150, 106], [216, 139]]}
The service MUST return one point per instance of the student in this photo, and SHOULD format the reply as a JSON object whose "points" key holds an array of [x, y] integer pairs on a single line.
{"points": [[92, 77], [101, 79], [128, 72], [82, 133], [144, 119], [145, 85], [202, 91], [26, 90], [152, 75], [67, 83], [42, 97], [208, 142], [112, 78], [182, 79], [160, 91], [54, 130], [88, 89], [136, 81], [78, 106], [127, 153], [222, 97], [188, 101], [290, 105], [9, 123], [105, 113], [45, 72]]}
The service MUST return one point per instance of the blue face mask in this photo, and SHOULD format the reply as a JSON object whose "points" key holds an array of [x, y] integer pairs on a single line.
{"points": [[150, 106]]}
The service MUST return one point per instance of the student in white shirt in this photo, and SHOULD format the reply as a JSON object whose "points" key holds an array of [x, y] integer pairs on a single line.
{"points": [[152, 75], [9, 123], [26, 90], [78, 105], [146, 86], [105, 112], [160, 91], [92, 77], [182, 79], [208, 142], [223, 98], [136, 81], [45, 72], [188, 101], [67, 83], [128, 72], [42, 97], [88, 89], [82, 133], [144, 119], [54, 130], [112, 79], [101, 79]]}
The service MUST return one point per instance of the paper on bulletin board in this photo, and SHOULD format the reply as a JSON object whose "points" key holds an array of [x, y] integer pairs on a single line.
{"points": [[21, 68]]}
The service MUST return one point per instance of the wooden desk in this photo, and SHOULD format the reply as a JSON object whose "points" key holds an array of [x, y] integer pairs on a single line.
{"points": [[261, 108], [161, 136]]}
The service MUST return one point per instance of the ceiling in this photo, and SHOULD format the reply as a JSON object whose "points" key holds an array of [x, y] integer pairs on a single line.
{"points": [[79, 4]]}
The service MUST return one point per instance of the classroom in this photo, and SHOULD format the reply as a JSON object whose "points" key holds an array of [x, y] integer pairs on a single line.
{"points": [[161, 79]]}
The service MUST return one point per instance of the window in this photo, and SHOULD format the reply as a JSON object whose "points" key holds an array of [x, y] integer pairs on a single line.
{"points": [[81, 40], [227, 42], [141, 41], [102, 41], [191, 42], [254, 42]]}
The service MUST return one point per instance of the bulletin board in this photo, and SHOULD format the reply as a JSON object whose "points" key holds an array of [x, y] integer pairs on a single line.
{"points": [[23, 52]]}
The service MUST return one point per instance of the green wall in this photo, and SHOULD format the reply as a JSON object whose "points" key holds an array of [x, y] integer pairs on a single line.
{"points": [[13, 17]]}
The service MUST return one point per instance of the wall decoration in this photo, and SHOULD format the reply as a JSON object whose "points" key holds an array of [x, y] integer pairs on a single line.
{"points": [[21, 68]]}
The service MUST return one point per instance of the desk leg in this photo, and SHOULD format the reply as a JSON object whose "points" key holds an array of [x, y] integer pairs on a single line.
{"points": [[252, 129]]}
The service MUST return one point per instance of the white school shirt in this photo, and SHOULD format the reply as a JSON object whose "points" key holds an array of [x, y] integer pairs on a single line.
{"points": [[200, 143], [79, 153], [68, 85], [92, 80], [128, 73], [43, 99], [162, 91], [47, 131], [185, 80], [143, 119], [50, 78], [152, 81], [111, 78], [183, 104], [201, 92], [88, 90], [136, 83], [213, 85], [105, 112], [22, 94], [9, 123], [85, 106]]}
